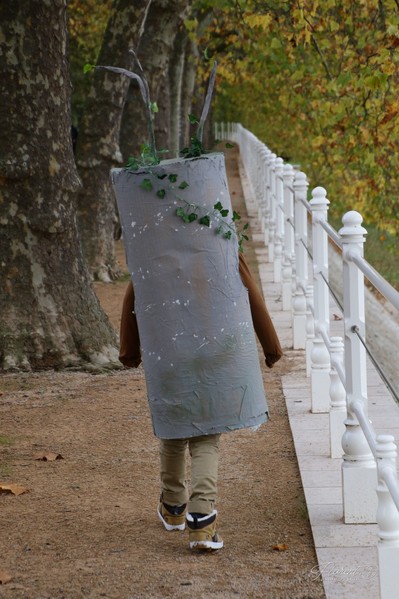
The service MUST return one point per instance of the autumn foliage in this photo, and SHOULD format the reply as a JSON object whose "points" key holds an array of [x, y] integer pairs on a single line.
{"points": [[318, 82]]}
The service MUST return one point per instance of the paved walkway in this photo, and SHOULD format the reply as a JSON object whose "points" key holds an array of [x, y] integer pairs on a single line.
{"points": [[347, 553]]}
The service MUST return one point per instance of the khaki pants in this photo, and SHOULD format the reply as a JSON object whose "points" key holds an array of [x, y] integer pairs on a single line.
{"points": [[204, 452]]}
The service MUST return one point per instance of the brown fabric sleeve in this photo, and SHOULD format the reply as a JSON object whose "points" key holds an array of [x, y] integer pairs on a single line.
{"points": [[129, 348], [263, 324]]}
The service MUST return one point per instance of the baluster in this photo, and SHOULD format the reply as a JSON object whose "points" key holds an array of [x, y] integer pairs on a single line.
{"points": [[259, 178], [337, 398], [250, 167], [387, 520], [301, 262], [253, 164], [287, 270], [265, 153], [279, 219], [358, 468], [272, 207], [268, 178], [320, 357], [309, 327], [259, 159]]}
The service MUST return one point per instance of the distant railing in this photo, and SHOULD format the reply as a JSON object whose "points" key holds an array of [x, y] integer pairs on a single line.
{"points": [[337, 368]]}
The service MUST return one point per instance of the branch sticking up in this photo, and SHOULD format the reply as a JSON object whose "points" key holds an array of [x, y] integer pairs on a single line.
{"points": [[207, 102], [145, 94]]}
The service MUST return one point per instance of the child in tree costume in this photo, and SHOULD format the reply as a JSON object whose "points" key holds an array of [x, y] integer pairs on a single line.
{"points": [[176, 504], [190, 320]]}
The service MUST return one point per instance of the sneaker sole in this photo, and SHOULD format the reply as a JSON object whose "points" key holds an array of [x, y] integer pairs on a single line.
{"points": [[170, 527], [206, 545]]}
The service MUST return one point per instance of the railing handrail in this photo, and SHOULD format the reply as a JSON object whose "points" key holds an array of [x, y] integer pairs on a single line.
{"points": [[381, 284], [332, 233]]}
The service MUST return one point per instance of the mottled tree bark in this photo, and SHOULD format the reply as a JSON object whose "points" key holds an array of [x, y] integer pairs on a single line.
{"points": [[192, 97], [50, 316], [176, 70], [155, 48], [162, 118], [98, 140], [188, 86]]}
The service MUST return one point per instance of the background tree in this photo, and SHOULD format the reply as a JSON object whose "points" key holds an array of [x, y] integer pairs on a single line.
{"points": [[50, 315], [154, 51], [98, 139], [318, 81], [175, 81], [190, 67], [87, 21], [195, 74]]}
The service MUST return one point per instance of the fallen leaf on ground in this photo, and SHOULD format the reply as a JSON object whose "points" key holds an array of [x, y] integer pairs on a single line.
{"points": [[13, 489], [47, 456], [5, 577], [337, 317], [280, 547]]}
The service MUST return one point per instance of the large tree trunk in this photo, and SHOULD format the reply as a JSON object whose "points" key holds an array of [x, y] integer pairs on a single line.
{"points": [[176, 70], [50, 316], [192, 98], [162, 119], [188, 85], [98, 140], [155, 48]]}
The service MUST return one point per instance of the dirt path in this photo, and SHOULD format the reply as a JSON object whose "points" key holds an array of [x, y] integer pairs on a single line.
{"points": [[87, 528]]}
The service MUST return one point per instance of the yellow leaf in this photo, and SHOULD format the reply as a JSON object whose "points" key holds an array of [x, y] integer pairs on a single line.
{"points": [[389, 68], [262, 21], [280, 547], [12, 489], [318, 141]]}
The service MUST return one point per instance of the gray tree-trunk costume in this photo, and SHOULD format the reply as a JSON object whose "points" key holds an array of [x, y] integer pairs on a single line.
{"points": [[197, 338]]}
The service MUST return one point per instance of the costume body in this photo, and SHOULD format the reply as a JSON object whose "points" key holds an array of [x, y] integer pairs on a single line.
{"points": [[190, 317], [203, 450], [193, 313]]}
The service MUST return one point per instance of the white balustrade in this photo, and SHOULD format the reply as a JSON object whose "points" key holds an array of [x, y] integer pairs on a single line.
{"points": [[320, 356], [337, 397], [265, 205], [358, 467], [271, 225], [301, 261], [289, 240], [309, 328], [279, 233], [387, 518], [337, 368]]}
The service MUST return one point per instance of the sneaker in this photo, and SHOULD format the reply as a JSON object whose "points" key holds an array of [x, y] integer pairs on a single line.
{"points": [[202, 531], [173, 517]]}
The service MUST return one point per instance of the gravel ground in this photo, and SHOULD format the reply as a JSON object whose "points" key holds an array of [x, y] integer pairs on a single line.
{"points": [[87, 527]]}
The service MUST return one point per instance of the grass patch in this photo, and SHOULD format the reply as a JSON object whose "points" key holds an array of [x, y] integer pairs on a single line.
{"points": [[6, 441], [124, 278], [382, 251], [302, 508], [6, 471]]}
